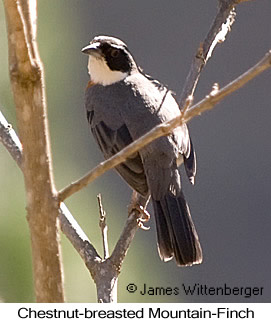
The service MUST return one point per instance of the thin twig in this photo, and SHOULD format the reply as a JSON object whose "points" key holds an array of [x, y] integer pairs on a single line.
{"points": [[217, 34], [217, 95], [77, 236], [165, 128], [187, 104], [103, 226], [127, 236], [10, 140]]}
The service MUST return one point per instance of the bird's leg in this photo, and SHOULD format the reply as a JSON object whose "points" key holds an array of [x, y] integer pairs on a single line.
{"points": [[138, 204]]}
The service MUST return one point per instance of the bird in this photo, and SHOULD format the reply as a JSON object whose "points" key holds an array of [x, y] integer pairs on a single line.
{"points": [[122, 104]]}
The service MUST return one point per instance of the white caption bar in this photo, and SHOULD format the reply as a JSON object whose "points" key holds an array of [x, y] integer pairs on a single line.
{"points": [[172, 312]]}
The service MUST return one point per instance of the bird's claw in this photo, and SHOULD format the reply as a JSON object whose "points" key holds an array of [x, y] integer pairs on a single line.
{"points": [[144, 216]]}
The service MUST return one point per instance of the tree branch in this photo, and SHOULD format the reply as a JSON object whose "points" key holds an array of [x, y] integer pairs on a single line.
{"points": [[164, 129], [103, 226], [10, 140], [78, 239], [26, 74], [217, 34], [217, 95], [125, 239]]}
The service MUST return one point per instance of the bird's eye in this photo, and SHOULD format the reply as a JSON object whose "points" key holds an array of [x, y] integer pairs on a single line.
{"points": [[114, 53]]}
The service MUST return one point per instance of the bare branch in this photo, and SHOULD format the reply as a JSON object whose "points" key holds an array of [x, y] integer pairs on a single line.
{"points": [[106, 274], [217, 34], [28, 12], [78, 238], [10, 140], [103, 226], [217, 95], [127, 236], [165, 128], [27, 82]]}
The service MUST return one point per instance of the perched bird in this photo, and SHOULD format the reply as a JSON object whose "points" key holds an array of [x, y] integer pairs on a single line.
{"points": [[122, 104]]}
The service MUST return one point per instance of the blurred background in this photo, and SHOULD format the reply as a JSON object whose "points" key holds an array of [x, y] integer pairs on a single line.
{"points": [[230, 203]]}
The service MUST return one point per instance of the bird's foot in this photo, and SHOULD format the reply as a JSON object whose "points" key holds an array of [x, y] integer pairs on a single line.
{"points": [[138, 206], [143, 216]]}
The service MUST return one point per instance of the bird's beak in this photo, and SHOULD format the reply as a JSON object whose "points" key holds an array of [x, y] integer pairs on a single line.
{"points": [[92, 49]]}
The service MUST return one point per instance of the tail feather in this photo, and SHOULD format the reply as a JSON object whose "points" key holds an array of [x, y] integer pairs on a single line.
{"points": [[163, 235], [176, 233]]}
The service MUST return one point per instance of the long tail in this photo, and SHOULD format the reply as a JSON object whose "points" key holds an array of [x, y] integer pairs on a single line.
{"points": [[176, 233]]}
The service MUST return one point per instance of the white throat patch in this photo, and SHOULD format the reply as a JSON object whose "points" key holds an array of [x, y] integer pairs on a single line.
{"points": [[100, 73]]}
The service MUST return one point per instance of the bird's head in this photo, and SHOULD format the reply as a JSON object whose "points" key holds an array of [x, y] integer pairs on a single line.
{"points": [[109, 60]]}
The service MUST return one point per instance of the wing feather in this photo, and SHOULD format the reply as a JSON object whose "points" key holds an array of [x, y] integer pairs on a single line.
{"points": [[111, 142]]}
